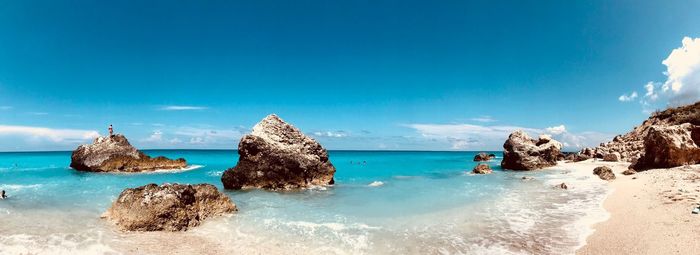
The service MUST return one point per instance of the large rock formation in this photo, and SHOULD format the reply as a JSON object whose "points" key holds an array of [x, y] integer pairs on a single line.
{"points": [[524, 153], [115, 154], [277, 156], [169, 207], [670, 146], [631, 146]]}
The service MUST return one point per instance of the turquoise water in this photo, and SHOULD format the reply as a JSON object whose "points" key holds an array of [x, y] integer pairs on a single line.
{"points": [[391, 203]]}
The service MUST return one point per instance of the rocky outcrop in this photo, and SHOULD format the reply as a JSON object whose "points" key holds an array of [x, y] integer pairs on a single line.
{"points": [[169, 207], [482, 169], [115, 154], [482, 156], [277, 156], [670, 146], [604, 173], [631, 146], [612, 157], [524, 153]]}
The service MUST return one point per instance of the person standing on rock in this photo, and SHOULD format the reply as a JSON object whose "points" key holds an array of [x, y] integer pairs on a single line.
{"points": [[111, 130]]}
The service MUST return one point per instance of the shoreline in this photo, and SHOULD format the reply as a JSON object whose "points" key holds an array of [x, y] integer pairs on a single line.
{"points": [[649, 212]]}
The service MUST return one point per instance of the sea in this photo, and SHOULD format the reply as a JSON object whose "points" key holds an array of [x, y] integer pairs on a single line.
{"points": [[383, 202]]}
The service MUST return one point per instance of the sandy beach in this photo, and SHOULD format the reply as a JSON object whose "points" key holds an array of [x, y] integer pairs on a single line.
{"points": [[650, 212]]}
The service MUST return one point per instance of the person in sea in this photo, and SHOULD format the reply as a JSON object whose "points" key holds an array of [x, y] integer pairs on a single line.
{"points": [[2, 194], [111, 130]]}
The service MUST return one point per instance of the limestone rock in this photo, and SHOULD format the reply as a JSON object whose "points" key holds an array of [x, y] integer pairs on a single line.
{"points": [[524, 153], [169, 207], [670, 146], [612, 157], [115, 154], [631, 146], [278, 156], [482, 169], [604, 173]]}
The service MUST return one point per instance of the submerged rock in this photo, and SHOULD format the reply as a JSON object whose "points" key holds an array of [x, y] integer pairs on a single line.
{"points": [[524, 153], [278, 156], [115, 154], [482, 156], [670, 146], [169, 207], [604, 173], [482, 169]]}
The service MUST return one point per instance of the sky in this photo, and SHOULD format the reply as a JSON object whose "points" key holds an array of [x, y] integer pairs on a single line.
{"points": [[355, 75]]}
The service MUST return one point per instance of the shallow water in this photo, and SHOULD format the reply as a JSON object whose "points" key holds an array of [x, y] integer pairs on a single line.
{"points": [[395, 203]]}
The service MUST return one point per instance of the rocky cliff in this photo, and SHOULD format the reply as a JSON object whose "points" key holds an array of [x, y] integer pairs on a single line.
{"points": [[631, 145], [115, 154]]}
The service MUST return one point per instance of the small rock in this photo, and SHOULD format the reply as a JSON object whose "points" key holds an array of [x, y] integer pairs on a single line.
{"points": [[562, 186], [482, 156], [482, 169], [604, 173], [527, 178], [629, 171]]}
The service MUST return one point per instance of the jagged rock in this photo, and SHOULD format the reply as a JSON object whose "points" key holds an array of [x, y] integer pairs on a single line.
{"points": [[629, 171], [631, 145], [670, 146], [169, 207], [482, 169], [482, 156], [115, 154], [277, 156], [612, 157], [524, 153], [604, 173]]}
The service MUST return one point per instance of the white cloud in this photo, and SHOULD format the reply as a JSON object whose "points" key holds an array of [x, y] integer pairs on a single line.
{"points": [[484, 119], [156, 136], [175, 141], [556, 130], [651, 93], [53, 135], [627, 98], [476, 137], [182, 108], [336, 134], [683, 71]]}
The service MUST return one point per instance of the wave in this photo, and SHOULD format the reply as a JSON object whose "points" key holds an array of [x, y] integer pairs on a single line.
{"points": [[19, 187], [376, 184], [188, 168]]}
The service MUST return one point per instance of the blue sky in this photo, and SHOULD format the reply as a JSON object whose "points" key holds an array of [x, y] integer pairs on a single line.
{"points": [[408, 75]]}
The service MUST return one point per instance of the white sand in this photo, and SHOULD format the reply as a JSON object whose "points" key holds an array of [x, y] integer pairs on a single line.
{"points": [[650, 212]]}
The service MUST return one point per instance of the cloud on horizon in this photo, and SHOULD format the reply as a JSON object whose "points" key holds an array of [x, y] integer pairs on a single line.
{"points": [[477, 137], [48, 134]]}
